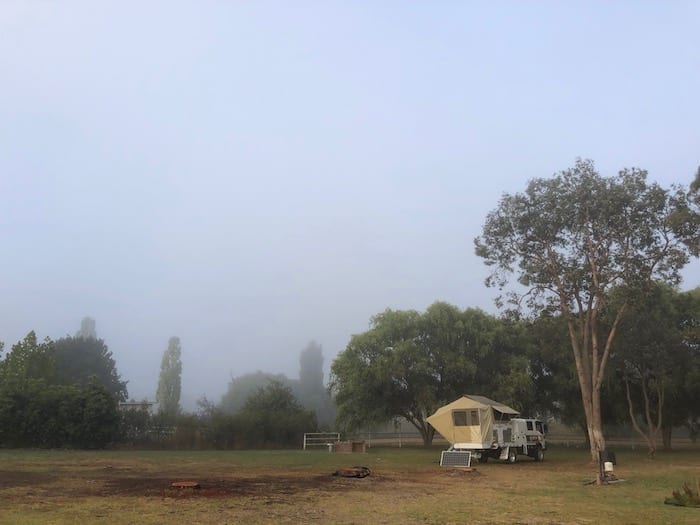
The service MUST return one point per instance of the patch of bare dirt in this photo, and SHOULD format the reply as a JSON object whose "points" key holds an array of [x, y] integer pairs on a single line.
{"points": [[12, 478], [273, 486], [160, 486], [263, 486]]}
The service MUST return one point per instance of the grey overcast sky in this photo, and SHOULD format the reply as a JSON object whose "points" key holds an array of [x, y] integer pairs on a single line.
{"points": [[250, 176]]}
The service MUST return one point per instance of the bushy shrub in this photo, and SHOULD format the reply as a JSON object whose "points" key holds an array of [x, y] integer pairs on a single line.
{"points": [[34, 414], [686, 497]]}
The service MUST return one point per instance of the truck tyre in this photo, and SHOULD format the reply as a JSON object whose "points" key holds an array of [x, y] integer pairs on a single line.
{"points": [[539, 454], [512, 456]]}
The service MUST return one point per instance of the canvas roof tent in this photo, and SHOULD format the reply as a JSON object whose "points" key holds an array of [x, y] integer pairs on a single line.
{"points": [[469, 420]]}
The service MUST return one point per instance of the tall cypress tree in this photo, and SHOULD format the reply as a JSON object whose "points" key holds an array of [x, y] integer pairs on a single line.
{"points": [[169, 384]]}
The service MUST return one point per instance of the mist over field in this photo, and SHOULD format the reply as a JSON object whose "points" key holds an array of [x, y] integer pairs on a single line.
{"points": [[251, 177]]}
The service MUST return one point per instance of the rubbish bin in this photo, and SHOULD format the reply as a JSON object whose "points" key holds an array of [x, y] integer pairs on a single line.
{"points": [[607, 456]]}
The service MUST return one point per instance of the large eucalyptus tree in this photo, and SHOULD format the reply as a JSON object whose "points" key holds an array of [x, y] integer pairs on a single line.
{"points": [[571, 238]]}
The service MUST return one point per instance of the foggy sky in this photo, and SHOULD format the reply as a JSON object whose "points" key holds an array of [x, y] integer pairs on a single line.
{"points": [[249, 176]]}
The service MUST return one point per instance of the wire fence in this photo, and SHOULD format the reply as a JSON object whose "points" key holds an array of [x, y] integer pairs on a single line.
{"points": [[564, 437]]}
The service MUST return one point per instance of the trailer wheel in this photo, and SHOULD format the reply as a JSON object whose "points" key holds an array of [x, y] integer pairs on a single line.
{"points": [[512, 456], [539, 454], [484, 458]]}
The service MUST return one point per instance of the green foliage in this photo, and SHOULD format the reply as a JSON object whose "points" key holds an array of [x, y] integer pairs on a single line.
{"points": [[27, 360], [169, 383], [187, 435], [366, 386], [135, 426], [79, 360], [41, 407], [100, 417], [273, 418], [408, 364], [242, 387], [37, 414], [683, 376], [573, 238], [686, 497], [650, 355], [219, 428], [309, 389], [553, 372]]}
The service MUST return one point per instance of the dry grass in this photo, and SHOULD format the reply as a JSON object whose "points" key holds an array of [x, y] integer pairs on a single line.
{"points": [[406, 486]]}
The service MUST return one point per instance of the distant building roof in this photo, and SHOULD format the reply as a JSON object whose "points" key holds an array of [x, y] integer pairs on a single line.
{"points": [[137, 404]]}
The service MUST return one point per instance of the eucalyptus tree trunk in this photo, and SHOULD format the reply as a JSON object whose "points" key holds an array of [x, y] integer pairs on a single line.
{"points": [[591, 361], [666, 436], [427, 432]]}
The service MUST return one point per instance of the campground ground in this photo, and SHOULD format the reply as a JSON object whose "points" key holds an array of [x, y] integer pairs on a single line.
{"points": [[406, 485]]}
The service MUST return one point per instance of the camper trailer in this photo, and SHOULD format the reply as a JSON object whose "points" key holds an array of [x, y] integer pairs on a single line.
{"points": [[489, 429]]}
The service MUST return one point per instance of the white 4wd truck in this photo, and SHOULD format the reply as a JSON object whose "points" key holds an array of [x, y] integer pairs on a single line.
{"points": [[513, 438]]}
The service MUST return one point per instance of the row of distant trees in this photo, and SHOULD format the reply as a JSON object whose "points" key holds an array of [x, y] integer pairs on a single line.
{"points": [[270, 417], [258, 410], [67, 393], [597, 332], [309, 390], [61, 393]]}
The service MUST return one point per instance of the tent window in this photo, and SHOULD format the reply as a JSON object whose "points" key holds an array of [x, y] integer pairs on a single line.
{"points": [[475, 418], [459, 418]]}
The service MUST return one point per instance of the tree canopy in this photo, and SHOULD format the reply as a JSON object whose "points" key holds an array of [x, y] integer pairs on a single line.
{"points": [[571, 239], [272, 417], [42, 406], [82, 359], [170, 379], [409, 363], [28, 359], [310, 389], [657, 358], [242, 387]]}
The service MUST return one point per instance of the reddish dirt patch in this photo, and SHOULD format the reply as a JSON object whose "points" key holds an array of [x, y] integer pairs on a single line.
{"points": [[270, 486], [11, 478], [263, 486]]}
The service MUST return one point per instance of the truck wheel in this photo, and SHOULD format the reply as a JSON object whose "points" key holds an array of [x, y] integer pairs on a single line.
{"points": [[539, 454], [512, 456]]}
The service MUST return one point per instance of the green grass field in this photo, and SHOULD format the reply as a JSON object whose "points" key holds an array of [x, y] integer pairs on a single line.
{"points": [[406, 486]]}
